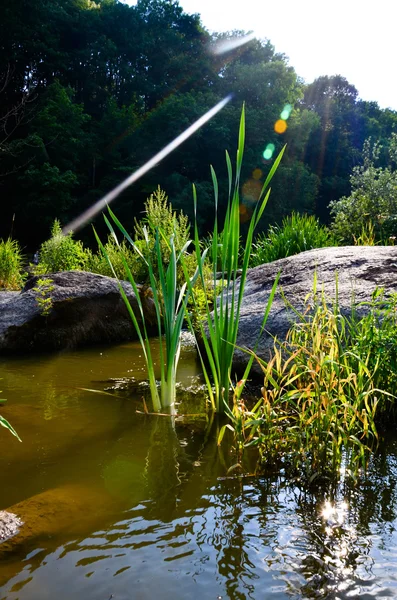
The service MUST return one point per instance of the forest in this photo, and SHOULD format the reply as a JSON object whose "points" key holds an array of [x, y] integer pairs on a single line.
{"points": [[90, 90]]}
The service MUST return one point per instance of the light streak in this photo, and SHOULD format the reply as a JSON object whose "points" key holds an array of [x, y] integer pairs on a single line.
{"points": [[223, 46], [91, 212]]}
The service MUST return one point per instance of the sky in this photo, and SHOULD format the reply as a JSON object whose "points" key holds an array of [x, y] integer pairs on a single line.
{"points": [[352, 38]]}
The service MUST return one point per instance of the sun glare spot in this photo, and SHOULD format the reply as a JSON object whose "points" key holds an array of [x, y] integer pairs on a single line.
{"points": [[251, 190], [280, 126], [286, 112], [268, 153], [334, 514]]}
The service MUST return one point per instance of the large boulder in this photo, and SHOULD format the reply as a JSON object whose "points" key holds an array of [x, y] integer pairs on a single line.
{"points": [[360, 269], [84, 309]]}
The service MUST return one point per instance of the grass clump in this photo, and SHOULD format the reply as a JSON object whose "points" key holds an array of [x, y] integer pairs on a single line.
{"points": [[325, 390], [60, 253], [296, 234], [12, 275], [119, 255]]}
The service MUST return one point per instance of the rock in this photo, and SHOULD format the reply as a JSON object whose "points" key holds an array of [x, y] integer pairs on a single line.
{"points": [[360, 270], [85, 309], [67, 508], [10, 525]]}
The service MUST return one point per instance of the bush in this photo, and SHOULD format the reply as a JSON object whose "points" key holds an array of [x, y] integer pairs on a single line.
{"points": [[297, 234], [11, 260], [373, 199], [61, 253], [97, 263], [161, 216]]}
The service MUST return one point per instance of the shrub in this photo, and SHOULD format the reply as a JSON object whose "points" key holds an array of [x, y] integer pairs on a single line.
{"points": [[11, 260], [98, 263], [60, 253], [296, 234], [159, 215], [373, 198]]}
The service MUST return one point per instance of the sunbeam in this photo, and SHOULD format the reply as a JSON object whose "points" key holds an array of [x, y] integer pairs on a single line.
{"points": [[91, 212]]}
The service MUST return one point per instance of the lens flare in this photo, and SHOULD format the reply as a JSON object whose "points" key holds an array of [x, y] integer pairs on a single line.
{"points": [[286, 112], [257, 173], [280, 126], [224, 46], [251, 190], [269, 151], [89, 214]]}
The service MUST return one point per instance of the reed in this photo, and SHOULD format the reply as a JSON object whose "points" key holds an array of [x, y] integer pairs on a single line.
{"points": [[217, 332], [169, 304]]}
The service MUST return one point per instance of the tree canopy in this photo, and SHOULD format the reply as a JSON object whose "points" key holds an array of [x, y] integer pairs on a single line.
{"points": [[91, 89]]}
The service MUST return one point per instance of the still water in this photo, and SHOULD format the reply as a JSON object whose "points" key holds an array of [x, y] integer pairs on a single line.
{"points": [[124, 505]]}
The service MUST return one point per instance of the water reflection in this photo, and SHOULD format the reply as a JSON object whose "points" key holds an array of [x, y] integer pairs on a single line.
{"points": [[171, 523]]}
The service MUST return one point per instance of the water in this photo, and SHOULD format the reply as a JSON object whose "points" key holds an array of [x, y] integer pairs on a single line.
{"points": [[124, 505]]}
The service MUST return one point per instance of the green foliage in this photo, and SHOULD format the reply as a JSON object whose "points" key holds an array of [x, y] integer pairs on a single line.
{"points": [[373, 338], [12, 275], [169, 306], [296, 234], [43, 289], [159, 215], [60, 253], [118, 255], [110, 83], [325, 388], [218, 331], [373, 198]]}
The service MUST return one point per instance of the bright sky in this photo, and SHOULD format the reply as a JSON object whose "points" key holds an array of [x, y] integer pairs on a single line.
{"points": [[352, 38]]}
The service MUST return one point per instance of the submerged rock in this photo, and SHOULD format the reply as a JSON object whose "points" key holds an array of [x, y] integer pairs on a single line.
{"points": [[83, 309], [10, 525], [359, 269], [67, 508]]}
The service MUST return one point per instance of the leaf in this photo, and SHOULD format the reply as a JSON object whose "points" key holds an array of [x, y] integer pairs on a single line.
{"points": [[10, 428]]}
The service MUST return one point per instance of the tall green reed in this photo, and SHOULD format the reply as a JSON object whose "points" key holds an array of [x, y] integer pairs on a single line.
{"points": [[169, 305], [219, 329]]}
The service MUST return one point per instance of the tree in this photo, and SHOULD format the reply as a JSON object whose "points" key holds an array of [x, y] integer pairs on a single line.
{"points": [[373, 199]]}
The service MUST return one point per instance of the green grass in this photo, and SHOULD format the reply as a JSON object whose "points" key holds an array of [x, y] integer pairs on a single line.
{"points": [[12, 276], [296, 234], [325, 390], [60, 253]]}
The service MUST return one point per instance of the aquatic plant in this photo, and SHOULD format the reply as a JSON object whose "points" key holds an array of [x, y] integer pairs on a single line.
{"points": [[217, 332], [169, 306], [11, 265], [320, 398], [7, 425], [296, 234]]}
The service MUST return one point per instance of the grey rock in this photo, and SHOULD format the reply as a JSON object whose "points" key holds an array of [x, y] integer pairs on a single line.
{"points": [[85, 309], [10, 525], [360, 269]]}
